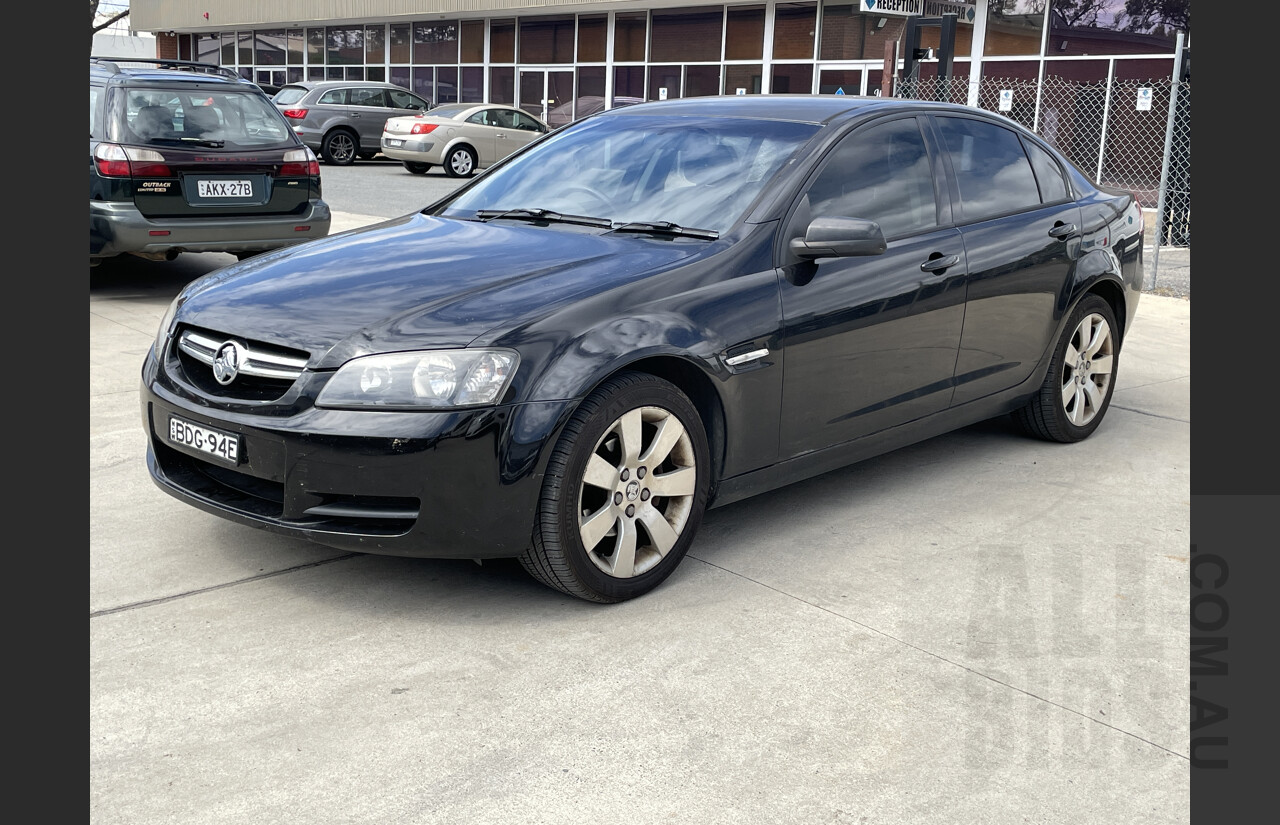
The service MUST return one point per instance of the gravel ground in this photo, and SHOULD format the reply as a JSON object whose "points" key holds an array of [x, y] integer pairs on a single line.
{"points": [[1173, 277]]}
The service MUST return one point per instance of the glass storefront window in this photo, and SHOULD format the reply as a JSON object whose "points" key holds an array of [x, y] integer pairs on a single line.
{"points": [[268, 47], [629, 36], [244, 48], [793, 29], [795, 79], [840, 81], [375, 44], [664, 82], [472, 90], [1014, 27], [472, 45], [228, 55], [546, 40], [701, 80], [207, 47], [593, 31], [686, 34], [1108, 27], [401, 76], [315, 50], [502, 47], [401, 43], [344, 46], [296, 44], [435, 42], [744, 33], [424, 82], [628, 81], [446, 85], [502, 84], [744, 76]]}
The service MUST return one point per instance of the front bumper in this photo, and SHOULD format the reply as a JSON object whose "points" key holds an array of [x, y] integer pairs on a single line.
{"points": [[460, 484], [118, 227]]}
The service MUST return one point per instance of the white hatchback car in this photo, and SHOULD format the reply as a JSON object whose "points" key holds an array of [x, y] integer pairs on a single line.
{"points": [[461, 137]]}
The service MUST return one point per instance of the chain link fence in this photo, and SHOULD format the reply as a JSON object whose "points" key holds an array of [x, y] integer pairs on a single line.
{"points": [[1130, 134]]}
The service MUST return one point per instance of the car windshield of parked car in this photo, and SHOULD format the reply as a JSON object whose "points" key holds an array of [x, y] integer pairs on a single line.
{"points": [[232, 118], [696, 173]]}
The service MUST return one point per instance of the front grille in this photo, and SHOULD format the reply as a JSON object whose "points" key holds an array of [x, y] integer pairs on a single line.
{"points": [[265, 372]]}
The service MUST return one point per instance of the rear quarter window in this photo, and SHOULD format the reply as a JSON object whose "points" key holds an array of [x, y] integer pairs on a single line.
{"points": [[289, 94], [95, 111]]}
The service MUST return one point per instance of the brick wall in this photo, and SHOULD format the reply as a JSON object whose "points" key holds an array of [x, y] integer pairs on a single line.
{"points": [[167, 46]]}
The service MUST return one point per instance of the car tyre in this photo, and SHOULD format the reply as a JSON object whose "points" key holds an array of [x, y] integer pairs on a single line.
{"points": [[460, 162], [417, 167], [1077, 390], [339, 148], [624, 492]]}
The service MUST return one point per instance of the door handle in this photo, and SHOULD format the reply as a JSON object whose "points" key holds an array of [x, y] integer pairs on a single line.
{"points": [[939, 264], [1063, 230]]}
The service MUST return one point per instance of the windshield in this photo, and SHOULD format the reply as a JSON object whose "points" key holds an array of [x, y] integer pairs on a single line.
{"points": [[694, 172], [232, 118]]}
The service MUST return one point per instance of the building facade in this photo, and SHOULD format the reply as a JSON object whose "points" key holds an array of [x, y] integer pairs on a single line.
{"points": [[576, 57]]}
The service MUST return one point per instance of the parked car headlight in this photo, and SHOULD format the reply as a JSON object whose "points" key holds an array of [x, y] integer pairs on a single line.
{"points": [[439, 378]]}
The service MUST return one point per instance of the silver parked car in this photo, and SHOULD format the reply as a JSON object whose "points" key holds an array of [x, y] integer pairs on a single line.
{"points": [[461, 137], [341, 120]]}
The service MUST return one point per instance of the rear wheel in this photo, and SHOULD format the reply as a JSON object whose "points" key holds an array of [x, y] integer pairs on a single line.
{"points": [[1077, 390], [460, 162], [624, 492], [339, 148], [417, 168]]}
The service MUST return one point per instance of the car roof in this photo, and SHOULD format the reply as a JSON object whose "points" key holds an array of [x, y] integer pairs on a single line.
{"points": [[326, 84], [803, 108], [157, 69]]}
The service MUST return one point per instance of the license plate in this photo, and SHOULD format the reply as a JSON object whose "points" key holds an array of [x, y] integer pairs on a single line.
{"points": [[225, 188], [214, 443], [393, 142]]}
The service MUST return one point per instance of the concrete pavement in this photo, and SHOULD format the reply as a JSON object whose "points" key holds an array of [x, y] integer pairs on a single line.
{"points": [[980, 628]]}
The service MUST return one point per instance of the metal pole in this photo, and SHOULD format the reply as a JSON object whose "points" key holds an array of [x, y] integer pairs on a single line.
{"points": [[1162, 204], [1106, 118]]}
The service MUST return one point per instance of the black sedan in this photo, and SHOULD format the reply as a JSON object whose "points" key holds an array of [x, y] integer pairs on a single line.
{"points": [[658, 309]]}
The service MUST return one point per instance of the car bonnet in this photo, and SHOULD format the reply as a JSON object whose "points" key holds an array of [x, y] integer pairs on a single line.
{"points": [[418, 282]]}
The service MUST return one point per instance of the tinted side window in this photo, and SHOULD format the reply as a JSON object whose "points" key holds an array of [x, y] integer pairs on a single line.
{"points": [[991, 168], [405, 100], [881, 174], [525, 122], [1053, 186], [367, 97], [95, 126], [334, 96], [290, 94]]}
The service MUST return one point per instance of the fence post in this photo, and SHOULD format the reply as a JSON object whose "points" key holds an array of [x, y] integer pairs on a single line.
{"points": [[1106, 118], [1162, 203]]}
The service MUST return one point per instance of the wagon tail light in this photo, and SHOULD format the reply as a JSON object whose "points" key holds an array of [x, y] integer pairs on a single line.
{"points": [[423, 128], [299, 163], [295, 114], [115, 161]]}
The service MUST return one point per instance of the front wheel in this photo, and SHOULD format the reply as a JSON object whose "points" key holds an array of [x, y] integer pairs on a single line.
{"points": [[460, 162], [1077, 390], [339, 148], [417, 168], [624, 492]]}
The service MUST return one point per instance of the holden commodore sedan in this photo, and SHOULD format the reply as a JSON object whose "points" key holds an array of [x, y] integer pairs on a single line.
{"points": [[460, 137], [660, 309]]}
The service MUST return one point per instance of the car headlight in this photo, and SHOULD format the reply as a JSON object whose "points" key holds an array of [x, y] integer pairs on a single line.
{"points": [[413, 380], [162, 334]]}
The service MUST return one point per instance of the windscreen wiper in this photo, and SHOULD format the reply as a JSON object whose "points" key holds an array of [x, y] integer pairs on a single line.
{"points": [[189, 141], [548, 215], [667, 228]]}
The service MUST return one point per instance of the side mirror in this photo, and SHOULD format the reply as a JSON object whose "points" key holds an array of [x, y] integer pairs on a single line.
{"points": [[839, 238]]}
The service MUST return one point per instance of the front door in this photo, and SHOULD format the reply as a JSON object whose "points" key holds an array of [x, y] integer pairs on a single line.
{"points": [[871, 341], [543, 89]]}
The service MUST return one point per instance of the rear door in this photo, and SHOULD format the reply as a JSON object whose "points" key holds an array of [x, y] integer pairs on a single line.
{"points": [[369, 110], [1012, 203]]}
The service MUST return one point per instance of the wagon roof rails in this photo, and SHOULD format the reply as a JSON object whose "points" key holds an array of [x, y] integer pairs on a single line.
{"points": [[112, 64]]}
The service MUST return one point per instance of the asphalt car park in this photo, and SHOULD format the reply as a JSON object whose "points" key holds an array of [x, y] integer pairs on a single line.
{"points": [[980, 627]]}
